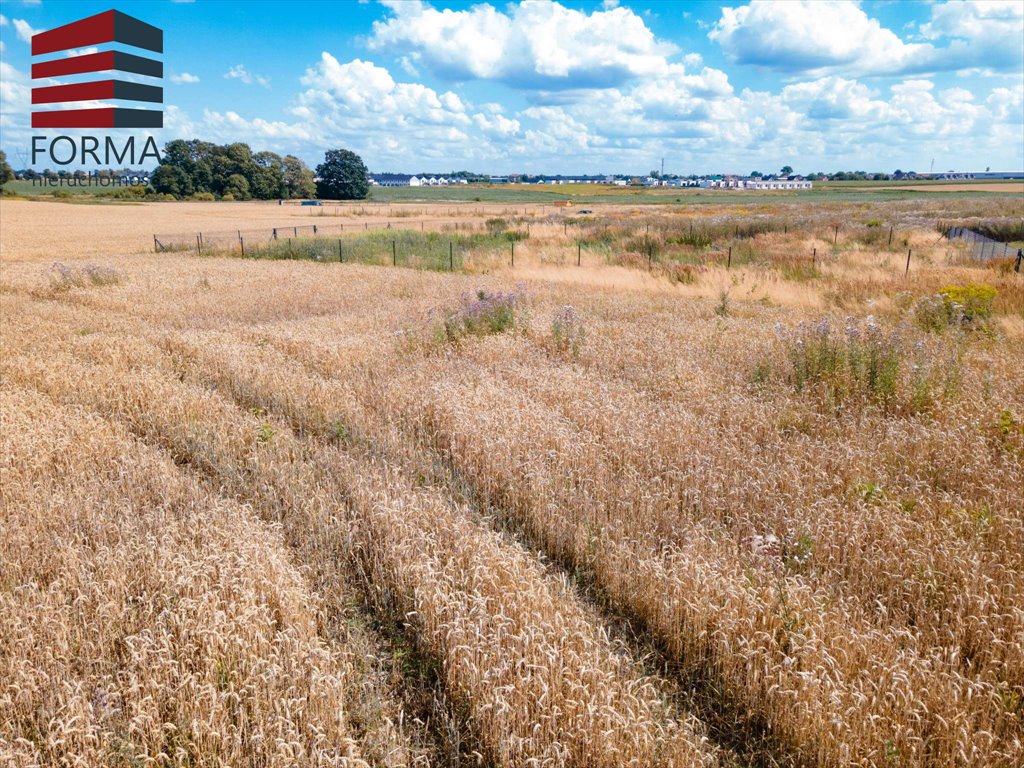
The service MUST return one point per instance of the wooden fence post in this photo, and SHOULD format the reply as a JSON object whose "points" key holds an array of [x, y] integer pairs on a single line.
{"points": [[579, 253], [907, 271], [728, 264], [341, 257], [394, 254], [156, 247], [890, 235], [451, 258], [513, 253], [199, 244], [835, 237]]}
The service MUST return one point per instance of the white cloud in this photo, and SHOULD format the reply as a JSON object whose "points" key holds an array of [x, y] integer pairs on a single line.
{"points": [[81, 51], [25, 30], [803, 35], [820, 38], [231, 123], [239, 72], [184, 77], [1007, 104], [535, 44], [3, 20], [990, 20]]}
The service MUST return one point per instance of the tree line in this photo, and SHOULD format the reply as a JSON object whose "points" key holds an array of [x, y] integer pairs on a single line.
{"points": [[229, 171], [202, 169]]}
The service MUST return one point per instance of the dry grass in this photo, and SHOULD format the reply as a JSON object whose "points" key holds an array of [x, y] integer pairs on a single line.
{"points": [[208, 462]]}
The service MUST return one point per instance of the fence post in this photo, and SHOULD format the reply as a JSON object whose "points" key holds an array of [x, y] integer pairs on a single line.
{"points": [[341, 258], [314, 230], [814, 257], [296, 231], [199, 244], [907, 271], [728, 264], [451, 258], [1020, 258], [650, 255], [513, 253], [275, 233], [156, 248], [890, 235], [835, 237], [579, 252], [394, 254]]}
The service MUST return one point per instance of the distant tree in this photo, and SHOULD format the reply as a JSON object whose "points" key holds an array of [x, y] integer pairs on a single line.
{"points": [[171, 180], [343, 176], [6, 172], [298, 178], [237, 186], [787, 170], [756, 174]]}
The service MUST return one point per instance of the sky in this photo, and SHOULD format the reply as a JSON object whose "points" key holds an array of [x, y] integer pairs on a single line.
{"points": [[538, 86]]}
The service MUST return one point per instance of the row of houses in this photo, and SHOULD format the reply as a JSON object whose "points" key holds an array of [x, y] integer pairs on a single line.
{"points": [[739, 182], [408, 180], [707, 182]]}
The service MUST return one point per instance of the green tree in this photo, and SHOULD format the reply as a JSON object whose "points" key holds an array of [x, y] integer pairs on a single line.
{"points": [[343, 176], [171, 180], [298, 178], [6, 172], [787, 170], [756, 174], [237, 186]]}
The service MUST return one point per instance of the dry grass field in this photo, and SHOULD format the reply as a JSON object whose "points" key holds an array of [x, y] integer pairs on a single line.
{"points": [[755, 501]]}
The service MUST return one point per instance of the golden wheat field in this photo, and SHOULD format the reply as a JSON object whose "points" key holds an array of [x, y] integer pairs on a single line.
{"points": [[685, 487]]}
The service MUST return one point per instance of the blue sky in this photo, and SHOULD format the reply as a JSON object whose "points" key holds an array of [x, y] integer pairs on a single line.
{"points": [[595, 87]]}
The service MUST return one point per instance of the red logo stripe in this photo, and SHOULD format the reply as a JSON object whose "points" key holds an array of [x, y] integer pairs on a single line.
{"points": [[99, 89], [75, 65], [75, 118], [107, 27]]}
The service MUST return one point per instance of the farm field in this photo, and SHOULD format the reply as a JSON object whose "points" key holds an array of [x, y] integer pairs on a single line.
{"points": [[728, 484]]}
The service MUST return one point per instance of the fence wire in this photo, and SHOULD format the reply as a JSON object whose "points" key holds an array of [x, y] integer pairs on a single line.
{"points": [[981, 248], [238, 239]]}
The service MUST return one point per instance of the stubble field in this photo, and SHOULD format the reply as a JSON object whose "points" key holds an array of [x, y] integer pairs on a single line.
{"points": [[738, 490]]}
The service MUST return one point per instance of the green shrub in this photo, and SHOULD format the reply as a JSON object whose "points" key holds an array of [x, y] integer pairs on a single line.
{"points": [[205, 197], [959, 306], [974, 300]]}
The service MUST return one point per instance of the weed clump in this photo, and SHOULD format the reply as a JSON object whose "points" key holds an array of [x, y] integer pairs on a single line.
{"points": [[64, 277], [956, 306], [567, 332], [483, 314], [864, 363]]}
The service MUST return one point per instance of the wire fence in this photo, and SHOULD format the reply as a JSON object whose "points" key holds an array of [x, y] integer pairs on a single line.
{"points": [[982, 248], [240, 239]]}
